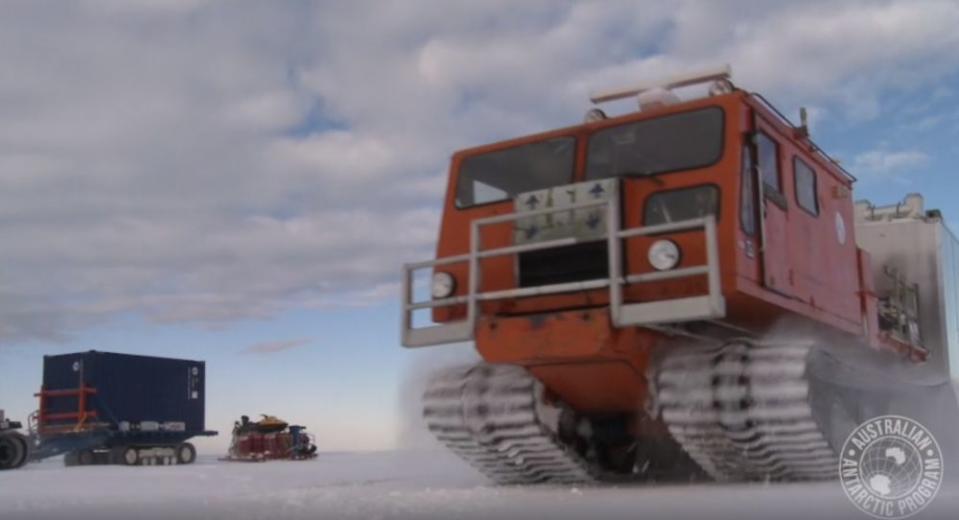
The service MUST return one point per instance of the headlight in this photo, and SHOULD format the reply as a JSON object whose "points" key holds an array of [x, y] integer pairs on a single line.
{"points": [[663, 255], [443, 285]]}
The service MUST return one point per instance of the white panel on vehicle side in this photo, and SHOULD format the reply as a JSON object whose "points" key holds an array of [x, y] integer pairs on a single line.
{"points": [[949, 275], [914, 248]]}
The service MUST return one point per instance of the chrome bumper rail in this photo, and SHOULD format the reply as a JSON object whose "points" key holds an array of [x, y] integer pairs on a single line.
{"points": [[661, 312]]}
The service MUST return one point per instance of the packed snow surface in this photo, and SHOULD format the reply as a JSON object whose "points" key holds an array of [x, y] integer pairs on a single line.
{"points": [[392, 485]]}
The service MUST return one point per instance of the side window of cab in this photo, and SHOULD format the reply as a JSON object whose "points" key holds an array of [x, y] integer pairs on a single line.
{"points": [[767, 159], [806, 192], [747, 207]]}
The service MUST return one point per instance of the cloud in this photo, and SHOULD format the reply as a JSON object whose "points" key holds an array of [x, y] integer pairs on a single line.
{"points": [[272, 347], [885, 163], [204, 161]]}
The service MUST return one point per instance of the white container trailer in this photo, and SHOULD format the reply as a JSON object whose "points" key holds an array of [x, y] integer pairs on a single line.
{"points": [[909, 243], [906, 240]]}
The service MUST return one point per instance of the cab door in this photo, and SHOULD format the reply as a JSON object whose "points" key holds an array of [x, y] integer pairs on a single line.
{"points": [[774, 215]]}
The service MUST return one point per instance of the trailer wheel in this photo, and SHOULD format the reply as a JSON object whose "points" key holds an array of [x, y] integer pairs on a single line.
{"points": [[70, 459], [85, 458], [185, 453], [25, 445], [116, 455], [131, 457], [13, 451]]}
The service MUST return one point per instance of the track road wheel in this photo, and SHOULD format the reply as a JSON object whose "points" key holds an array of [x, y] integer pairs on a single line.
{"points": [[13, 451], [838, 410], [130, 457], [185, 453], [837, 422]]}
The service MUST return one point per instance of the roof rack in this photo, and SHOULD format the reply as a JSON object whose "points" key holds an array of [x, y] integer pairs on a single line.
{"points": [[723, 73]]}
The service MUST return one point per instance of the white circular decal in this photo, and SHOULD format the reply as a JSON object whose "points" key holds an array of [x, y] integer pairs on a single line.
{"points": [[840, 228], [891, 467]]}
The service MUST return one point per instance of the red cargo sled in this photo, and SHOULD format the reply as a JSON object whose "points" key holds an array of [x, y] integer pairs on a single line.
{"points": [[269, 439]]}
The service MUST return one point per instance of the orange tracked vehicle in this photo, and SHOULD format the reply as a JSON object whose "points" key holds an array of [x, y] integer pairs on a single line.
{"points": [[675, 291]]}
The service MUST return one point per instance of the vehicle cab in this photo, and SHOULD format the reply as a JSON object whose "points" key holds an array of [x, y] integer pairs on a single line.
{"points": [[714, 212]]}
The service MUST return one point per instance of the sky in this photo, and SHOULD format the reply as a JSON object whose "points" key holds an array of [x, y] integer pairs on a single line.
{"points": [[239, 181]]}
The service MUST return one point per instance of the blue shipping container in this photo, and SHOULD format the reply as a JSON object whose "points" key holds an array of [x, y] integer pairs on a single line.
{"points": [[129, 388]]}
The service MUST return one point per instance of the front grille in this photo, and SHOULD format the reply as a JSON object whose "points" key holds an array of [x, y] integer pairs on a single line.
{"points": [[574, 263]]}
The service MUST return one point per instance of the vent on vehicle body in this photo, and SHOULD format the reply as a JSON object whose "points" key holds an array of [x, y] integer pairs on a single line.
{"points": [[574, 263]]}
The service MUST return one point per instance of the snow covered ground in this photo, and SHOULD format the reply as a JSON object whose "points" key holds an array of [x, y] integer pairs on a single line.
{"points": [[392, 485]]}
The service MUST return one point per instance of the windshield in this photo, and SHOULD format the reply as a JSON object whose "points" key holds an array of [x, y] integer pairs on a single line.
{"points": [[503, 174], [675, 142], [683, 204]]}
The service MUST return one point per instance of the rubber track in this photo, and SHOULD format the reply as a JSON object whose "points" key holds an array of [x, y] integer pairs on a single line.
{"points": [[743, 412], [488, 416]]}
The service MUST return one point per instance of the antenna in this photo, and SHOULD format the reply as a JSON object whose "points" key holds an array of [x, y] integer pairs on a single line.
{"points": [[721, 73], [803, 130]]}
